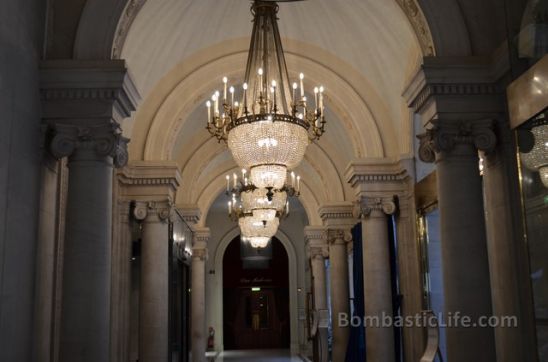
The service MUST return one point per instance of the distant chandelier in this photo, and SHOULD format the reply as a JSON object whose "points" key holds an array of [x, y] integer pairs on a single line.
{"points": [[258, 210], [269, 130], [537, 158]]}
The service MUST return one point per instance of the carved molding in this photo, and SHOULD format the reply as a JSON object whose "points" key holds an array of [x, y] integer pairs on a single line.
{"points": [[367, 205], [453, 89], [105, 140], [144, 209], [315, 234], [418, 21], [318, 252], [124, 25], [444, 136]]}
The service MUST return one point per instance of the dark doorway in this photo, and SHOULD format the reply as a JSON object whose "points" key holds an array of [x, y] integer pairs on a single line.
{"points": [[255, 297]]}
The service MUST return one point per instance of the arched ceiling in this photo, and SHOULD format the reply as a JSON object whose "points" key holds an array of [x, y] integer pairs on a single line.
{"points": [[363, 51]]}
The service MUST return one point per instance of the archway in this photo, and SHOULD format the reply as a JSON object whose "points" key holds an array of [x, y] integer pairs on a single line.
{"points": [[256, 296]]}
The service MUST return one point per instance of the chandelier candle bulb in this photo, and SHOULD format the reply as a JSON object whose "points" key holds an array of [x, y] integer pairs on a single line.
{"points": [[292, 179], [316, 90], [301, 77], [298, 183], [245, 97], [229, 207], [227, 183], [235, 180], [232, 96], [321, 99], [260, 72], [225, 81], [208, 104]]}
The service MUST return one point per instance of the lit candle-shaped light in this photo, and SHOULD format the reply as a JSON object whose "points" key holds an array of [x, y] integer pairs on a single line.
{"points": [[321, 98], [245, 96], [316, 91], [287, 207], [260, 79], [225, 82], [232, 96], [227, 183], [208, 104], [301, 77], [292, 179], [235, 177], [304, 107], [245, 181], [230, 207], [244, 171], [298, 183], [274, 84], [294, 94]]}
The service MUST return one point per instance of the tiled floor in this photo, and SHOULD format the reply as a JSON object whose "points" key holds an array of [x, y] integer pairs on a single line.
{"points": [[258, 356]]}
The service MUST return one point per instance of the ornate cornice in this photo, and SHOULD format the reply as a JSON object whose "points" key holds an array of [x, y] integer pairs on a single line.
{"points": [[315, 234], [338, 215], [145, 209], [445, 136], [453, 89], [81, 90], [418, 21], [104, 139], [367, 206], [201, 235], [190, 214]]}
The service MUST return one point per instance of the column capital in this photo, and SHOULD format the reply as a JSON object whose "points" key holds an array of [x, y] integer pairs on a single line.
{"points": [[444, 136], [145, 209], [371, 206], [318, 252], [105, 139], [339, 236]]}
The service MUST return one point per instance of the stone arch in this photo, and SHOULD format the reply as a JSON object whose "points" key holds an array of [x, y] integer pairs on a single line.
{"points": [[293, 284]]}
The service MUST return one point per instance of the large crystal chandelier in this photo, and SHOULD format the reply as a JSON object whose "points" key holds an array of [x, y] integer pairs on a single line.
{"points": [[267, 131]]}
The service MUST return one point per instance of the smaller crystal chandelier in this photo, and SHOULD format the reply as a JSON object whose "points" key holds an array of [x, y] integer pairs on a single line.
{"points": [[259, 210], [537, 158]]}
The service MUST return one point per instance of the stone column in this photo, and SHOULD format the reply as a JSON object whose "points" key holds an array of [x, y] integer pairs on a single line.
{"points": [[154, 288], [454, 146], [152, 186], [384, 181], [199, 257], [377, 277], [83, 103], [318, 251], [340, 303], [338, 218], [93, 151]]}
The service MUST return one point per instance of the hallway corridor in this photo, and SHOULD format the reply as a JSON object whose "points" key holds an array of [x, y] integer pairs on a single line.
{"points": [[257, 355]]}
